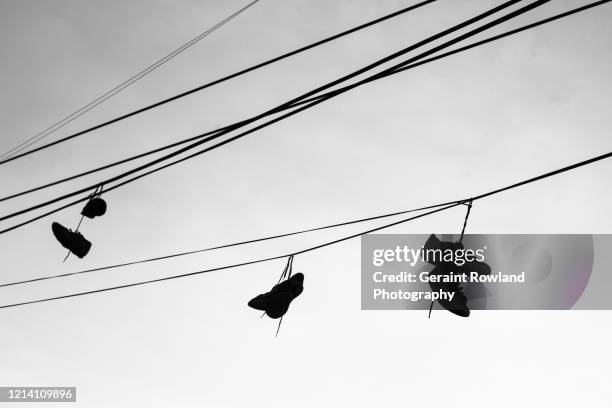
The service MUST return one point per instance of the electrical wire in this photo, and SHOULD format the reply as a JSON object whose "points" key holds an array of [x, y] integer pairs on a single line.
{"points": [[219, 268], [336, 241], [104, 97], [310, 93], [404, 68], [223, 79], [250, 241], [474, 198], [482, 42], [413, 65]]}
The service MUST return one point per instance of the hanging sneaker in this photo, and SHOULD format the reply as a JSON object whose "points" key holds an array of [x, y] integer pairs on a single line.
{"points": [[474, 266], [294, 285], [458, 305], [433, 243], [276, 302], [72, 241], [94, 208]]}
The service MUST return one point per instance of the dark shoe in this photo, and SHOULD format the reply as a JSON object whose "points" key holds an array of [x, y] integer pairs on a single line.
{"points": [[434, 244], [458, 305], [276, 302], [294, 285], [94, 208], [72, 241]]}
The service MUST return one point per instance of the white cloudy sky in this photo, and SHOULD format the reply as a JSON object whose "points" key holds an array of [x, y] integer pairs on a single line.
{"points": [[464, 125]]}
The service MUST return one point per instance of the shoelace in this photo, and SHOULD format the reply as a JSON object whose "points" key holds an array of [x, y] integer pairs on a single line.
{"points": [[467, 215], [76, 231], [96, 194], [286, 274]]}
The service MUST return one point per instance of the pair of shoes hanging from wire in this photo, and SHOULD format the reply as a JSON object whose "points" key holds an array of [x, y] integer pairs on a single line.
{"points": [[74, 241], [458, 305], [275, 303]]}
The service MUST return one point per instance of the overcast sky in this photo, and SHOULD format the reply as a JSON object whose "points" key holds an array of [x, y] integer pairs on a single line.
{"points": [[457, 127]]}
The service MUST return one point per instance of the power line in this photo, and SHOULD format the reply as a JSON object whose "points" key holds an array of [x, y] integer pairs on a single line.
{"points": [[334, 92], [219, 268], [223, 79], [102, 98], [413, 65], [287, 104], [108, 166], [251, 241], [333, 242], [474, 198], [299, 109], [108, 189], [485, 41]]}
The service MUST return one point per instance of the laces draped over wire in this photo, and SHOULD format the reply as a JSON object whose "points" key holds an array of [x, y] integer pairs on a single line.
{"points": [[467, 215], [96, 194]]}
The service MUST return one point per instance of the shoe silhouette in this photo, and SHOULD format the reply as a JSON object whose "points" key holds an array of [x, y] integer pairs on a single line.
{"points": [[458, 305], [474, 266], [433, 243], [94, 208], [275, 303], [72, 241]]}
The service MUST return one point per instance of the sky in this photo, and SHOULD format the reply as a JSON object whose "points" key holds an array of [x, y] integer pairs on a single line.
{"points": [[457, 127]]}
